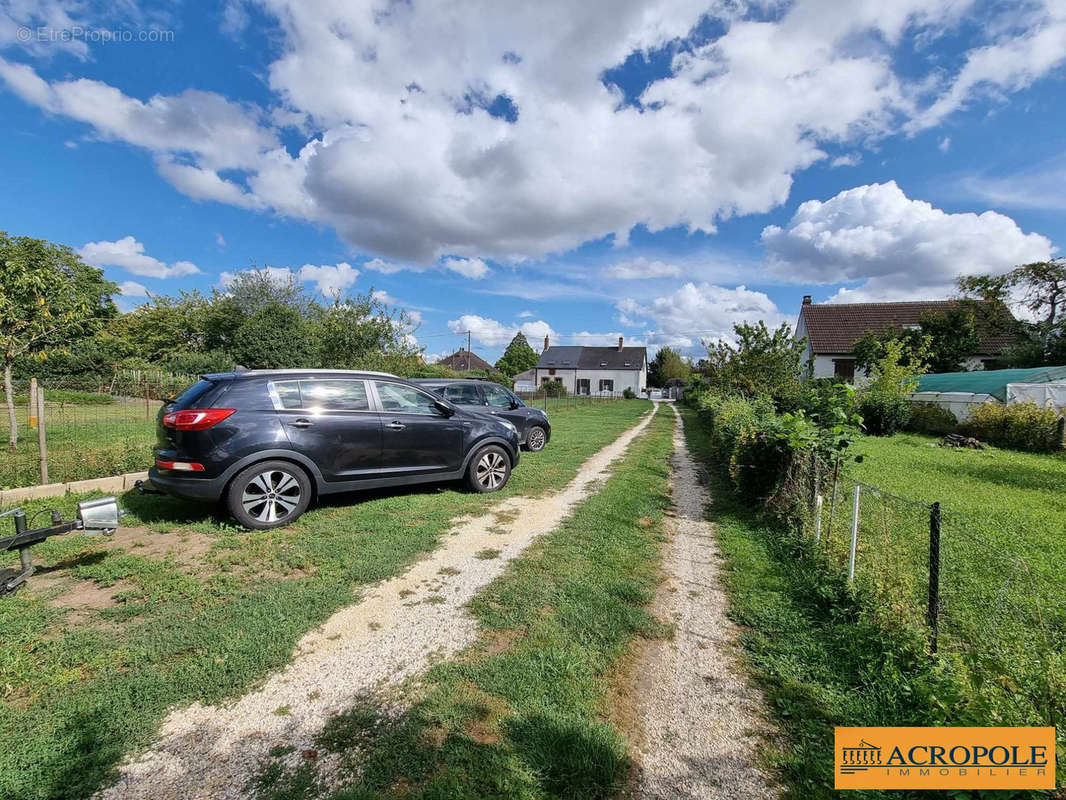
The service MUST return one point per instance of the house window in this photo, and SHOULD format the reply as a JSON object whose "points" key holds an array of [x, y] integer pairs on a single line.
{"points": [[551, 372], [545, 380], [583, 386], [606, 385], [844, 369]]}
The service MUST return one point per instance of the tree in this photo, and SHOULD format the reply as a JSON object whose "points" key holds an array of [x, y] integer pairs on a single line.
{"points": [[518, 357], [761, 362], [275, 337], [362, 332], [254, 289], [1038, 288], [667, 365], [884, 403], [50, 299], [940, 343]]}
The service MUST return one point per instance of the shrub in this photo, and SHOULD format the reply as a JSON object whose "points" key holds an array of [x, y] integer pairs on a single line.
{"points": [[629, 394], [932, 419], [884, 415], [1022, 426], [555, 389], [759, 463]]}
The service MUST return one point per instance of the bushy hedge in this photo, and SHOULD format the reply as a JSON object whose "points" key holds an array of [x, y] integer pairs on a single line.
{"points": [[884, 415], [931, 419], [1021, 426], [554, 389]]}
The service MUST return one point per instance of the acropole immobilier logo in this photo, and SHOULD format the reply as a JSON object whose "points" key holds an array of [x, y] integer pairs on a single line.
{"points": [[945, 758]]}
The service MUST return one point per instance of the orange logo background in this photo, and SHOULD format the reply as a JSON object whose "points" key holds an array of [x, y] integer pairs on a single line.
{"points": [[945, 758]]}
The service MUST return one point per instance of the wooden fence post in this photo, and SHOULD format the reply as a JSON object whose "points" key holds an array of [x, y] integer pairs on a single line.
{"points": [[33, 403], [42, 444]]}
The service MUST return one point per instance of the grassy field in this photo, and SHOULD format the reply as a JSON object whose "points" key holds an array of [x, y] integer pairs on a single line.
{"points": [[526, 712], [832, 654], [107, 637]]}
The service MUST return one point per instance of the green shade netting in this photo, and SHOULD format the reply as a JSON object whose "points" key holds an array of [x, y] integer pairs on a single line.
{"points": [[993, 382]]}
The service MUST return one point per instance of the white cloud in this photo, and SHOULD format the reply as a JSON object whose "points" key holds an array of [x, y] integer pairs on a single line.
{"points": [[638, 268], [493, 333], [132, 289], [405, 165], [846, 160], [384, 267], [331, 281], [1030, 43], [900, 248], [473, 268], [1039, 186], [129, 254], [220, 240], [702, 312], [525, 314], [944, 144]]}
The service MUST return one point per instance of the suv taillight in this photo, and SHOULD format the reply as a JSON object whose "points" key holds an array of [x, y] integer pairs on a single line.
{"points": [[196, 419]]}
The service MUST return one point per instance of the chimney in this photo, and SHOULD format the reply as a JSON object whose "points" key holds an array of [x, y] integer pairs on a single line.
{"points": [[619, 344], [806, 299], [545, 341]]}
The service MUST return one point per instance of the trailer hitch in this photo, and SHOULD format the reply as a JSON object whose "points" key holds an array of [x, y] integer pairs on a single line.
{"points": [[98, 516]]}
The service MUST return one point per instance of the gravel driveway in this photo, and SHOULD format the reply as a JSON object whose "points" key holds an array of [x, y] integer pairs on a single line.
{"points": [[391, 635], [699, 722]]}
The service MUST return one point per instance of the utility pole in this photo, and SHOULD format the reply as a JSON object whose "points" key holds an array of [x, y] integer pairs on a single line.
{"points": [[468, 351]]}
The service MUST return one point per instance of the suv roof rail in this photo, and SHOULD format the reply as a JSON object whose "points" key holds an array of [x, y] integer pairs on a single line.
{"points": [[297, 371]]}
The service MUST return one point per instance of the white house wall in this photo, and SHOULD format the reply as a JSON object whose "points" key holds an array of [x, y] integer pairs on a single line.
{"points": [[623, 378]]}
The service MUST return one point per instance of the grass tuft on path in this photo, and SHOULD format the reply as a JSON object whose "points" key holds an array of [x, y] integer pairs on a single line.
{"points": [[81, 687], [522, 713]]}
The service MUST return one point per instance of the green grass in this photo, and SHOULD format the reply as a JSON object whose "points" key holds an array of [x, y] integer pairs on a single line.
{"points": [[1002, 565], [78, 691], [825, 653], [524, 712]]}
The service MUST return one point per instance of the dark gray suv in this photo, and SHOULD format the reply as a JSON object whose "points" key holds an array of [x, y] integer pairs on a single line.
{"points": [[534, 430], [266, 442]]}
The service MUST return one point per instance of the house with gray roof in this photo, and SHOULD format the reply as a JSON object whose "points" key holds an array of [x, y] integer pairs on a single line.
{"points": [[593, 370]]}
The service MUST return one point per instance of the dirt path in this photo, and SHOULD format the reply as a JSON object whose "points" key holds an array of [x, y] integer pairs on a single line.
{"points": [[699, 722], [392, 634]]}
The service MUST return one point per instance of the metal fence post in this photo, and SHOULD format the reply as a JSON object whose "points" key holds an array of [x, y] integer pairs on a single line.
{"points": [[42, 444], [818, 503], [854, 534], [33, 403], [934, 575]]}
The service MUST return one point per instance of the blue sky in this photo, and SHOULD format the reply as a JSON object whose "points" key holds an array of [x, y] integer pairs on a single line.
{"points": [[658, 170]]}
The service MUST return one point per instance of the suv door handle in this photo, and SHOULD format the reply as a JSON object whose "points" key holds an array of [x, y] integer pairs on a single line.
{"points": [[395, 426], [301, 423]]}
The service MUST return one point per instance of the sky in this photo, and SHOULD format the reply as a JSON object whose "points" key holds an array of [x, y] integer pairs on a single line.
{"points": [[652, 169]]}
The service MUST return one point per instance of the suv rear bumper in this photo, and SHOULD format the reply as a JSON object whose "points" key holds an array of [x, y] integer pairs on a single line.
{"points": [[187, 488]]}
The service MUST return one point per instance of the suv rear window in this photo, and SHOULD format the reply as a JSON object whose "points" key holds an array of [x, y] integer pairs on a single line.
{"points": [[191, 396]]}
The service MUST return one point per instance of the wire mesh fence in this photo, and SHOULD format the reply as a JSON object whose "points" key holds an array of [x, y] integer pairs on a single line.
{"points": [[988, 599], [90, 430], [541, 399]]}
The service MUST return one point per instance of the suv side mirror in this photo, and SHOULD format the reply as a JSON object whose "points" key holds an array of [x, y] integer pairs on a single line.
{"points": [[514, 404], [443, 408]]}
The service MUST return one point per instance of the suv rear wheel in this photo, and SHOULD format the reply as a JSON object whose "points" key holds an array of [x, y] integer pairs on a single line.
{"points": [[268, 495], [489, 469]]}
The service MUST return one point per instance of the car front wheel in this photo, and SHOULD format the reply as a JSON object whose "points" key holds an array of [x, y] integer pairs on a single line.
{"points": [[489, 469], [536, 439], [268, 495]]}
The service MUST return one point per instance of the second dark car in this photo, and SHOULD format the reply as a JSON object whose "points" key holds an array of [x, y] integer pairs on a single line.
{"points": [[534, 430]]}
